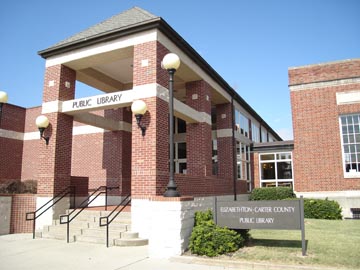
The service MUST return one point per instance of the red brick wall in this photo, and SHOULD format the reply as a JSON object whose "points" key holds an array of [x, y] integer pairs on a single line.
{"points": [[13, 119], [30, 165], [21, 204], [317, 158], [325, 72]]}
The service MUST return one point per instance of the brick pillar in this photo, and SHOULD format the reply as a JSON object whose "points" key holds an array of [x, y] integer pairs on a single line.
{"points": [[198, 136], [55, 158], [149, 168], [225, 144]]}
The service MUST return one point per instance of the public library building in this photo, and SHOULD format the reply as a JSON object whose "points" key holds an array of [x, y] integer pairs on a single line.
{"points": [[222, 147]]}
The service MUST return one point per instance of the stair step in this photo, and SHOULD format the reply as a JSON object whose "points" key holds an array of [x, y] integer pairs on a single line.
{"points": [[85, 228], [129, 235], [130, 242], [101, 232]]}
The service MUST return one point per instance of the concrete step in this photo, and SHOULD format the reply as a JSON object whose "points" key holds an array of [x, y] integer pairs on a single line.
{"points": [[131, 242], [85, 228], [129, 235], [95, 232], [75, 223], [58, 236]]}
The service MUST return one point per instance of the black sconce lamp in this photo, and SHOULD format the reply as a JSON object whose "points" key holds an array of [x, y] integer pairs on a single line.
{"points": [[139, 108], [3, 99], [42, 122]]}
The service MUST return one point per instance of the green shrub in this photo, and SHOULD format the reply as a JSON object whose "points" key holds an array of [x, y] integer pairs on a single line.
{"points": [[211, 240], [322, 209], [271, 193]]}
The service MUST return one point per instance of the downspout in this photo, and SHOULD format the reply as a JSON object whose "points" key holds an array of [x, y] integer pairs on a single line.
{"points": [[234, 148]]}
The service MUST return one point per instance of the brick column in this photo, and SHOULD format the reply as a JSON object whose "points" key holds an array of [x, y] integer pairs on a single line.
{"points": [[55, 158], [149, 168], [198, 136], [225, 144]]}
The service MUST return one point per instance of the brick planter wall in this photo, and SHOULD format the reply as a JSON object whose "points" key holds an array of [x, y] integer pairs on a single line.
{"points": [[21, 204]]}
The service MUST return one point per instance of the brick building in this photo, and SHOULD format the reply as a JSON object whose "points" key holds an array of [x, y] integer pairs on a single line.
{"points": [[325, 109], [95, 140], [323, 159], [222, 146]]}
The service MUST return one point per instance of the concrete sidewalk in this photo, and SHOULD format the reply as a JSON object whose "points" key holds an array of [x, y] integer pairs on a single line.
{"points": [[20, 251]]}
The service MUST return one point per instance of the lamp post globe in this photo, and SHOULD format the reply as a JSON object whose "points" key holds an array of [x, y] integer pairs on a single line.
{"points": [[3, 97], [171, 62]]}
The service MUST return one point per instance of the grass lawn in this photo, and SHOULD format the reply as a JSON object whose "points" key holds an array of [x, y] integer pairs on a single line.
{"points": [[333, 243]]}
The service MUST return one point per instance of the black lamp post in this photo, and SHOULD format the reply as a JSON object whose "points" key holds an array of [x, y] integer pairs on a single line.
{"points": [[171, 63], [3, 99]]}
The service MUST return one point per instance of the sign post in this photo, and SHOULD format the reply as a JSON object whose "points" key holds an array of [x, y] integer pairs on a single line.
{"points": [[278, 215]]}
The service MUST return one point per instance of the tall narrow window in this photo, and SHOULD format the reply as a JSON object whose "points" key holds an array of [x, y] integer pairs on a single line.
{"points": [[179, 146], [214, 157], [350, 134], [243, 162]]}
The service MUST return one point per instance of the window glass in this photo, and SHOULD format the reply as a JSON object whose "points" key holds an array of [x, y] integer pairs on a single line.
{"points": [[181, 150], [268, 170], [276, 169], [284, 170], [267, 157], [350, 129], [181, 126]]}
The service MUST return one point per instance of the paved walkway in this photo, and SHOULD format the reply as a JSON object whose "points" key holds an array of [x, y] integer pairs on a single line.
{"points": [[20, 251]]}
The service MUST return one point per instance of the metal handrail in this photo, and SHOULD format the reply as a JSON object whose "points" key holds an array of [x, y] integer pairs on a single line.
{"points": [[34, 215], [123, 203], [66, 219]]}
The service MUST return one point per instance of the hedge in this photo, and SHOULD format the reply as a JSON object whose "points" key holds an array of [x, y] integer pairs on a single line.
{"points": [[211, 240], [271, 193], [322, 209]]}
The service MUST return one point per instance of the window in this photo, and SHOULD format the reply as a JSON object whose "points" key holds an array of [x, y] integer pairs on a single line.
{"points": [[276, 169], [255, 133], [241, 124], [180, 157], [264, 135], [350, 134], [179, 146], [214, 158], [243, 163]]}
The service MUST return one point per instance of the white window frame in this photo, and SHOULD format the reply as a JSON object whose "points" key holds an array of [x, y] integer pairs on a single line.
{"points": [[275, 160], [351, 173], [244, 164]]}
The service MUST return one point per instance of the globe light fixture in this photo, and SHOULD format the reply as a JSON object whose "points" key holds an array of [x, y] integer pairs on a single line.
{"points": [[139, 108], [42, 122], [3, 99]]}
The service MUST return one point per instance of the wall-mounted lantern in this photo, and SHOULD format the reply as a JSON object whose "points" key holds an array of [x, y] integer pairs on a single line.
{"points": [[139, 108], [42, 122]]}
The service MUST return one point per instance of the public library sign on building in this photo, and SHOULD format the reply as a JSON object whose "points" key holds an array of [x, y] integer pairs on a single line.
{"points": [[218, 135]]}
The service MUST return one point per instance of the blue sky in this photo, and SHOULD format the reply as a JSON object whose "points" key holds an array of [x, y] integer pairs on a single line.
{"points": [[250, 43]]}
